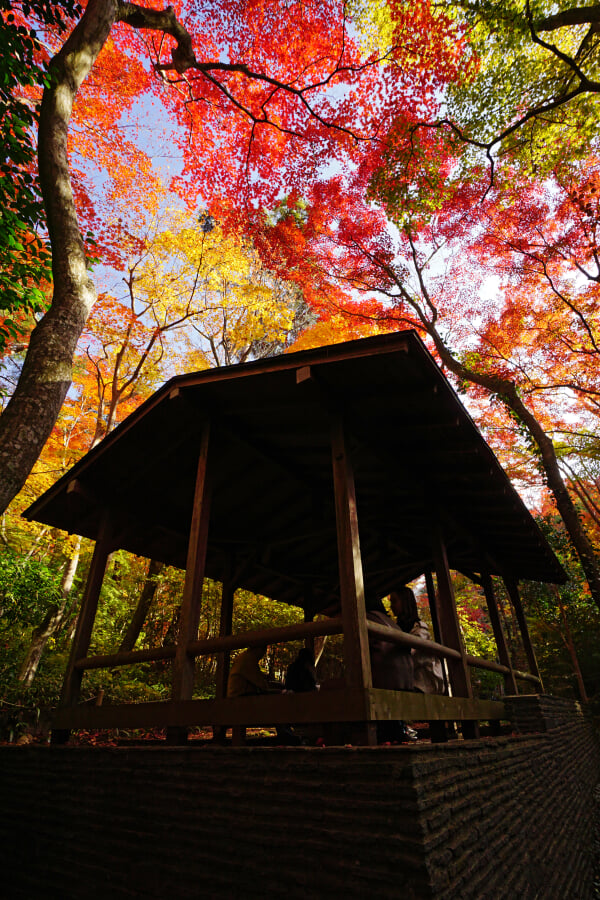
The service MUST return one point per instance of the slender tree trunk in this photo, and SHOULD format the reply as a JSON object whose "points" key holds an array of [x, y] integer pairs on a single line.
{"points": [[587, 500], [507, 391], [567, 637], [52, 624], [144, 603], [41, 533]]}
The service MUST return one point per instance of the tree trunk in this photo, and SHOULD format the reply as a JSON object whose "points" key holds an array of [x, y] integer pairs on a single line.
{"points": [[31, 413], [569, 643], [507, 391], [144, 603], [52, 624]]}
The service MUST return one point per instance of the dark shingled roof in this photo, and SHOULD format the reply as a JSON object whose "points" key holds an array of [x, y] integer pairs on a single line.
{"points": [[418, 458]]}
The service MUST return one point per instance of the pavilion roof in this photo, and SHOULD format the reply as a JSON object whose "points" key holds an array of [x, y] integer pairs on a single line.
{"points": [[418, 460]]}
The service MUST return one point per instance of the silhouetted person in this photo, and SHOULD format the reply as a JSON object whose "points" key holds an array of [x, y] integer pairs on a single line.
{"points": [[246, 679], [245, 676], [301, 675]]}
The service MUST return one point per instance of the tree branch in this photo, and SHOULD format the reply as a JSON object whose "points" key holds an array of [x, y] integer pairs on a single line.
{"points": [[583, 15]]}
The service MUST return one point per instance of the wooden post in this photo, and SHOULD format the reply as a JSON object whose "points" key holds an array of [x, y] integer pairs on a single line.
{"points": [[71, 688], [433, 607], [184, 665], [357, 660], [309, 642], [435, 621], [510, 684], [513, 592], [437, 728], [225, 630], [223, 659], [450, 629], [352, 592]]}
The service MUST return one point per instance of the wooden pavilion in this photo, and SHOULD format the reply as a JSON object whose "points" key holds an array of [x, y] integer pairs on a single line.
{"points": [[317, 478]]}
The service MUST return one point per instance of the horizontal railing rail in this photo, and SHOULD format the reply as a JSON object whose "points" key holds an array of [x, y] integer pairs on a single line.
{"points": [[280, 635], [395, 636], [286, 633]]}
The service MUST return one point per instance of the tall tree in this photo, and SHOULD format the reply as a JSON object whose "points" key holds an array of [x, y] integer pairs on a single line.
{"points": [[356, 251]]}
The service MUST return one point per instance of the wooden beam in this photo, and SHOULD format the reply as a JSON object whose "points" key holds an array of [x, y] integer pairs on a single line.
{"points": [[395, 636], [417, 707], [183, 668], [450, 629], [352, 593], [266, 636], [510, 685], [476, 662], [282, 709], [513, 592], [306, 630], [127, 658]]}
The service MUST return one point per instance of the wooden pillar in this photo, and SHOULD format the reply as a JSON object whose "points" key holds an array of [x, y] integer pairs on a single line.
{"points": [[352, 592], [309, 642], [435, 622], [225, 625], [510, 684], [357, 660], [184, 665], [450, 629], [433, 607], [513, 592], [437, 728], [223, 659], [71, 688]]}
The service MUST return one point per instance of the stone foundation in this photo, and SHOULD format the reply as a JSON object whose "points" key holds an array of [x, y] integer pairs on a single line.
{"points": [[496, 818]]}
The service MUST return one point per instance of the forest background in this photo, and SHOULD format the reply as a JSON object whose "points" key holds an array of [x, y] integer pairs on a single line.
{"points": [[211, 183]]}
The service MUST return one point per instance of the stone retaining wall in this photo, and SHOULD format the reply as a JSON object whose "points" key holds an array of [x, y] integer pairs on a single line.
{"points": [[496, 818]]}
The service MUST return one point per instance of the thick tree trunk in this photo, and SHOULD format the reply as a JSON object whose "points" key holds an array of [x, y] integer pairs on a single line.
{"points": [[52, 624], [507, 391], [31, 413], [144, 603]]}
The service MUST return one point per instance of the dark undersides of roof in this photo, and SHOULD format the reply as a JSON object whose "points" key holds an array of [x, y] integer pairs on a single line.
{"points": [[418, 460]]}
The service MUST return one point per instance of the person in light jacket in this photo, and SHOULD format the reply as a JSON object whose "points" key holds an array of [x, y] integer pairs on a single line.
{"points": [[428, 675]]}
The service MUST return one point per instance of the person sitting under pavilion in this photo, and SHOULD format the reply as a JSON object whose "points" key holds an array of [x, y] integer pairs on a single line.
{"points": [[301, 675], [245, 676], [391, 669], [428, 672], [246, 679]]}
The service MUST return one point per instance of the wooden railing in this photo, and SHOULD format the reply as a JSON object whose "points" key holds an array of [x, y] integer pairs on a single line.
{"points": [[410, 640], [296, 632], [218, 644]]}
